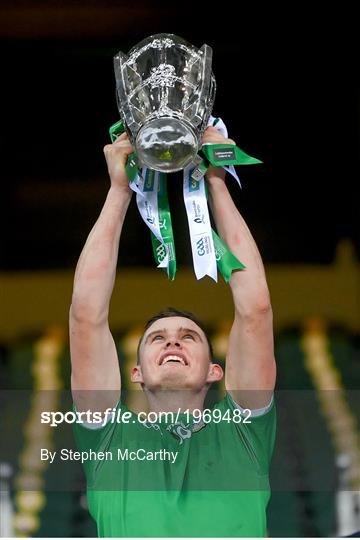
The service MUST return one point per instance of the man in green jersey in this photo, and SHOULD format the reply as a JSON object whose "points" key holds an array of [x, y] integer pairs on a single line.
{"points": [[187, 474]]}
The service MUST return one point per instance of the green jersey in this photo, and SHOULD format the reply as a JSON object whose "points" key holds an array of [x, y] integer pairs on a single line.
{"points": [[180, 478]]}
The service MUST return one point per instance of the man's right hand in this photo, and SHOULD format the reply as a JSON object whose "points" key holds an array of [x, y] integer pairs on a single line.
{"points": [[116, 155]]}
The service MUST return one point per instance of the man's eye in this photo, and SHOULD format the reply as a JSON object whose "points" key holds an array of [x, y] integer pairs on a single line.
{"points": [[187, 336], [156, 338]]}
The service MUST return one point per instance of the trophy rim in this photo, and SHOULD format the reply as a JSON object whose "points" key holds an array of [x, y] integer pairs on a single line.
{"points": [[163, 36]]}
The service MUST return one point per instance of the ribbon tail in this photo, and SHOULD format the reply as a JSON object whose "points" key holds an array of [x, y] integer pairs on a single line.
{"points": [[231, 170], [226, 261]]}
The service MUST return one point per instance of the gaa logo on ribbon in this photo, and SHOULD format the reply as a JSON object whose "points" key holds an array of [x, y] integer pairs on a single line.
{"points": [[161, 252], [200, 247]]}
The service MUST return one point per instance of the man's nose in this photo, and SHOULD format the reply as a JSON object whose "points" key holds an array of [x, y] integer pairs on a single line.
{"points": [[173, 342]]}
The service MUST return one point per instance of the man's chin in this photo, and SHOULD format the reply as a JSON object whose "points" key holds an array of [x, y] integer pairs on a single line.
{"points": [[174, 381]]}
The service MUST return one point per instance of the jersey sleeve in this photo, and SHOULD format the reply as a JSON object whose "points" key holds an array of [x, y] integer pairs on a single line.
{"points": [[97, 439], [256, 432]]}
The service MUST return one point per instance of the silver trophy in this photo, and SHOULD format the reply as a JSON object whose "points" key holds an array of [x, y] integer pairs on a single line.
{"points": [[165, 93]]}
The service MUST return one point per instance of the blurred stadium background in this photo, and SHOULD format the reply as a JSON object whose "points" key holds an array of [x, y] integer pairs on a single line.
{"points": [[289, 95]]}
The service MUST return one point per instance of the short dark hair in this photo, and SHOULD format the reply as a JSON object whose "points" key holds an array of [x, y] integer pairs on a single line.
{"points": [[173, 312]]}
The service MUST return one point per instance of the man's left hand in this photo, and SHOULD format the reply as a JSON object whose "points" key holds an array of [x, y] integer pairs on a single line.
{"points": [[213, 136]]}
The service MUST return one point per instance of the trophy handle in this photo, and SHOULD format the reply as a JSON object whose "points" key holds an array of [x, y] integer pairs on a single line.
{"points": [[120, 67], [207, 88]]}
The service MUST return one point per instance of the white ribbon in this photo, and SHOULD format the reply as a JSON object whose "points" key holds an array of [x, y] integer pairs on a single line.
{"points": [[202, 244], [147, 203]]}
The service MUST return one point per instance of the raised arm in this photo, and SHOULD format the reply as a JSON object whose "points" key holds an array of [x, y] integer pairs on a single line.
{"points": [[250, 365], [95, 375]]}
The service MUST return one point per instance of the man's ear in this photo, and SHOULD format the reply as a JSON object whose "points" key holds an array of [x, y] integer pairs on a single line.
{"points": [[215, 373], [136, 375]]}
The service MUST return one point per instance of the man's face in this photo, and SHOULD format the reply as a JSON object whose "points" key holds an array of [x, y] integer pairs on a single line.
{"points": [[174, 354]]}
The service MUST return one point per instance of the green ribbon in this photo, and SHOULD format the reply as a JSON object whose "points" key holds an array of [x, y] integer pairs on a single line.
{"points": [[221, 155], [166, 230], [226, 261]]}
